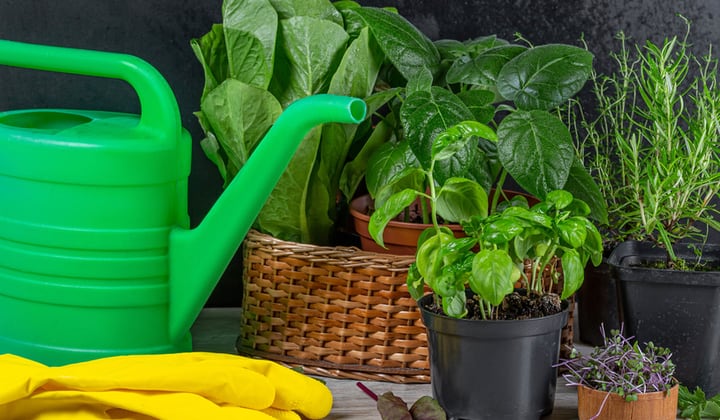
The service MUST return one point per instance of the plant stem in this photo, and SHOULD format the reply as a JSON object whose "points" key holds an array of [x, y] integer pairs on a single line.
{"points": [[498, 191]]}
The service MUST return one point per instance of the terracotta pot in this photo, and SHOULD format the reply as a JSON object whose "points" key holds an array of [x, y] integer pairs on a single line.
{"points": [[400, 237], [660, 405]]}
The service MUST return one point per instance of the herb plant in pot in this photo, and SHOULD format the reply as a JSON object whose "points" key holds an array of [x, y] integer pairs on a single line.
{"points": [[656, 135], [515, 88], [478, 325], [621, 380]]}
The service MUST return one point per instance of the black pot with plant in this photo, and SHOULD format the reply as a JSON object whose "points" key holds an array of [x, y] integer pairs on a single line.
{"points": [[477, 321], [653, 149]]}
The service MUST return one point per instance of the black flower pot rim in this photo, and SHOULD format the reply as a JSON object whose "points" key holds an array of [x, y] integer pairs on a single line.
{"points": [[499, 327], [627, 256]]}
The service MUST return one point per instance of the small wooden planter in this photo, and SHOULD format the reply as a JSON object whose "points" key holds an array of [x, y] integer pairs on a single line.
{"points": [[653, 405]]}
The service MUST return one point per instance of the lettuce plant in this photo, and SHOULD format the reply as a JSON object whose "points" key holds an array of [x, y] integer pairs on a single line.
{"points": [[265, 55]]}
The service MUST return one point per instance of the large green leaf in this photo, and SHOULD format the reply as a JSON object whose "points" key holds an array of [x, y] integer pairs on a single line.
{"points": [[536, 149], [545, 77], [407, 48], [284, 214], [321, 9], [480, 103], [482, 70], [250, 34], [426, 114], [354, 172], [460, 199], [211, 52], [358, 70], [385, 165], [312, 50], [245, 56], [239, 115]]}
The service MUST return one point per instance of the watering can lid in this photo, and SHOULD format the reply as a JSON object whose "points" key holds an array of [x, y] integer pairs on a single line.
{"points": [[89, 147]]}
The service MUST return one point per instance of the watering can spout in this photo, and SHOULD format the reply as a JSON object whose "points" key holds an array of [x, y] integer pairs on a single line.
{"points": [[199, 256]]}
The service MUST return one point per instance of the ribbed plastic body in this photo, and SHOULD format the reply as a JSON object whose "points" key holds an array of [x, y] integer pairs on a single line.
{"points": [[88, 201]]}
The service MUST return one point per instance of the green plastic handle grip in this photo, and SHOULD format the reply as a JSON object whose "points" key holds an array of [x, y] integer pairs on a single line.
{"points": [[159, 109]]}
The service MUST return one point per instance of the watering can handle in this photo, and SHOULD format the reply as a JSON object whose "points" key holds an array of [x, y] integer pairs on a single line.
{"points": [[159, 109]]}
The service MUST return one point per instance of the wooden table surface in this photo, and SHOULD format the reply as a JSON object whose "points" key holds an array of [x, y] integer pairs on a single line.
{"points": [[217, 328]]}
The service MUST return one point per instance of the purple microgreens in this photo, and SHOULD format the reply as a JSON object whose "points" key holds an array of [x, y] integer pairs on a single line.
{"points": [[621, 366]]}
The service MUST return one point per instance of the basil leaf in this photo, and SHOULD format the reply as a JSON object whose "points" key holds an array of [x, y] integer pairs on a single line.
{"points": [[584, 187], [454, 305], [573, 272], [459, 199], [492, 275], [383, 215]]}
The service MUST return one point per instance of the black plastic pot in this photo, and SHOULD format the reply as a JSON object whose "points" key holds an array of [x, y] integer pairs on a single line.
{"points": [[675, 309], [597, 304], [493, 369]]}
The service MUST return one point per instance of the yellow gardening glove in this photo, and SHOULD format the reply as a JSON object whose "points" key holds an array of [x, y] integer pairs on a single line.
{"points": [[173, 386]]}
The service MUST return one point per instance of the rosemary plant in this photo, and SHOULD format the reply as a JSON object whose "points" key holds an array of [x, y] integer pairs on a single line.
{"points": [[653, 143]]}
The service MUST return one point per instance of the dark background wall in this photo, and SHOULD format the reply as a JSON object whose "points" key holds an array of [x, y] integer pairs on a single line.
{"points": [[159, 32]]}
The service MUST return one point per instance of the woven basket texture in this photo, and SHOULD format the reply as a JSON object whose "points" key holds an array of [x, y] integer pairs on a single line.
{"points": [[336, 311]]}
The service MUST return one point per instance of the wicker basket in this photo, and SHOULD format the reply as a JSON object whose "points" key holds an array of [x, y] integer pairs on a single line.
{"points": [[336, 311]]}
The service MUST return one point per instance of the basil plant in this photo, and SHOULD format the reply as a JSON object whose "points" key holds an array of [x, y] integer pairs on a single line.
{"points": [[493, 255]]}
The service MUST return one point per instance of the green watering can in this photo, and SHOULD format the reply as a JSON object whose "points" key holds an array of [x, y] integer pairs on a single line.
{"points": [[96, 255]]}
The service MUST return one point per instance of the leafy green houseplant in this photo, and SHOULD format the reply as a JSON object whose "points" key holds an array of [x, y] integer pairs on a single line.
{"points": [[472, 282], [265, 55], [623, 380], [514, 88], [493, 255]]}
